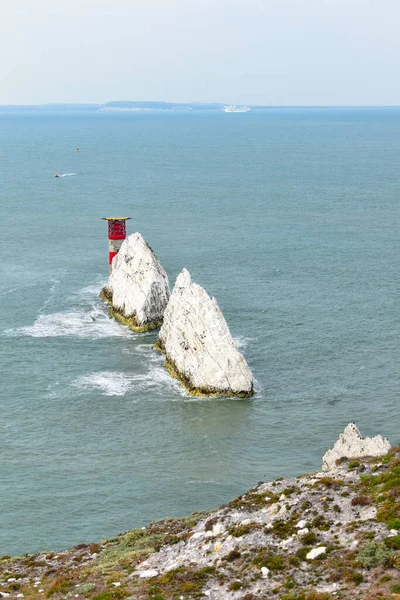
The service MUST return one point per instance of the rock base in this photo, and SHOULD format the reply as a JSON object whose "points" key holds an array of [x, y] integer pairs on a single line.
{"points": [[130, 321], [186, 383]]}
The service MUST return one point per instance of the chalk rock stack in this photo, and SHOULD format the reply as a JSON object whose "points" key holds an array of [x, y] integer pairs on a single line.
{"points": [[351, 445], [137, 290], [199, 348]]}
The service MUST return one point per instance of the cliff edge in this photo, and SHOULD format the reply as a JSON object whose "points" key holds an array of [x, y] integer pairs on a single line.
{"points": [[313, 537]]}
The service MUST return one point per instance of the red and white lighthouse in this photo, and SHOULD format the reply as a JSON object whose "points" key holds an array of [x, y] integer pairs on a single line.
{"points": [[116, 235]]}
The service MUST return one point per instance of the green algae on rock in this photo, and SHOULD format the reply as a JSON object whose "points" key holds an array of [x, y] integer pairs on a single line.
{"points": [[128, 321]]}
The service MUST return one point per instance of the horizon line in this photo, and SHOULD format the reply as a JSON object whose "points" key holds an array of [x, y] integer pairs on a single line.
{"points": [[48, 104]]}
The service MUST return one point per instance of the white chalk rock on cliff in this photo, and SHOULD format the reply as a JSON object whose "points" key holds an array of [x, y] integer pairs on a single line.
{"points": [[199, 348], [351, 445], [137, 290]]}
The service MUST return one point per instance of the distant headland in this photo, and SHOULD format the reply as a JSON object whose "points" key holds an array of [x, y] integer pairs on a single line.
{"points": [[123, 106]]}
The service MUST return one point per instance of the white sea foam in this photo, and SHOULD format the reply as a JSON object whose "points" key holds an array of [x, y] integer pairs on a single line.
{"points": [[108, 383], [50, 296], [113, 383], [242, 342], [67, 174], [92, 290], [89, 324]]}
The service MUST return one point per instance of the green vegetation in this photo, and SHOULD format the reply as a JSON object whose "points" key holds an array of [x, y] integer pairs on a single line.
{"points": [[309, 539], [270, 559], [60, 586], [320, 523], [186, 581], [240, 530], [235, 585], [233, 555], [385, 490], [115, 594], [302, 552], [254, 500], [393, 542], [374, 554], [329, 482], [353, 464]]}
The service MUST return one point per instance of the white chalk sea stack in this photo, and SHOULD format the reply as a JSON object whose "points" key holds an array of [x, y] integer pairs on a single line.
{"points": [[200, 351], [137, 290], [352, 445]]}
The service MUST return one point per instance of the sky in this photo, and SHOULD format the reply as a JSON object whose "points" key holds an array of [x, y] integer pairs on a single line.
{"points": [[269, 52]]}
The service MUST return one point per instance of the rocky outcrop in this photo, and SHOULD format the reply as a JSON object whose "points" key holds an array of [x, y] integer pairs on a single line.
{"points": [[199, 348], [137, 290], [351, 445]]}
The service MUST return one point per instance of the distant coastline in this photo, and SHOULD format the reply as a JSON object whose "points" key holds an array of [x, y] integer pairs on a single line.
{"points": [[114, 107], [128, 106]]}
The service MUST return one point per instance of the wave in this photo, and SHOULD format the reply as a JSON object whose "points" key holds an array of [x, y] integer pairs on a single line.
{"points": [[114, 383], [107, 383], [51, 294], [92, 290], [67, 174], [241, 341], [89, 324]]}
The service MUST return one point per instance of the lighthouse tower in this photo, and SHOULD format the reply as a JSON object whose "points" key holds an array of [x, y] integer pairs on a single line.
{"points": [[116, 235]]}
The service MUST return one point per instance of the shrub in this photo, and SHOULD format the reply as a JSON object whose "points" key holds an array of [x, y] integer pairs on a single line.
{"points": [[309, 538], [374, 554], [302, 552], [393, 542], [393, 524], [210, 523], [329, 482], [395, 588], [319, 523], [357, 577], [361, 501], [60, 586], [233, 555], [353, 464], [235, 585], [239, 530], [282, 528]]}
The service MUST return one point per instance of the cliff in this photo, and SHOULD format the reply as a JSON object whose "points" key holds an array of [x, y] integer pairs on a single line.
{"points": [[313, 537], [198, 346], [137, 290]]}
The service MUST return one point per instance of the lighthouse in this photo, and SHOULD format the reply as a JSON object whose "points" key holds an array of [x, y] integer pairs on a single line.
{"points": [[116, 235]]}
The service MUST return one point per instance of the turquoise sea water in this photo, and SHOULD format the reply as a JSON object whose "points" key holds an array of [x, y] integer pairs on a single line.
{"points": [[290, 218]]}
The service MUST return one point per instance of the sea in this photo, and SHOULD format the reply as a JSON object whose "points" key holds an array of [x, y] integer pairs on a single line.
{"points": [[290, 218]]}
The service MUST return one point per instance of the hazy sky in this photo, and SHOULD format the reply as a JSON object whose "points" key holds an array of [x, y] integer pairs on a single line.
{"points": [[278, 52]]}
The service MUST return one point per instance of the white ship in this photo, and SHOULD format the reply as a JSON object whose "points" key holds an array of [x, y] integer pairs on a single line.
{"points": [[234, 108]]}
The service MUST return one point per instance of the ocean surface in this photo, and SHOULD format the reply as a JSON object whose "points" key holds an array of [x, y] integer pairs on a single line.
{"points": [[289, 217]]}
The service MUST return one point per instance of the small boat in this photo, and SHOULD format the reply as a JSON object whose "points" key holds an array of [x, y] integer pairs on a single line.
{"points": [[57, 175]]}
